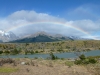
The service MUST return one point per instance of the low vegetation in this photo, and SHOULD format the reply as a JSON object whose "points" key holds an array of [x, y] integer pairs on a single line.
{"points": [[53, 57], [7, 70], [52, 65], [27, 66], [85, 60], [47, 47]]}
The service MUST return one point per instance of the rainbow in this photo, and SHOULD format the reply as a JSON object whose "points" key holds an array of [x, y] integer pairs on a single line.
{"points": [[54, 23]]}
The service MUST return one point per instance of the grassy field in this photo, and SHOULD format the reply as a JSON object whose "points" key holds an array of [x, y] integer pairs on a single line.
{"points": [[47, 47], [7, 70], [48, 67]]}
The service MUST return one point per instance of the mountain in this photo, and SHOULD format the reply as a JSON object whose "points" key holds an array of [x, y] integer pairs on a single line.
{"points": [[7, 36], [37, 37], [42, 37]]}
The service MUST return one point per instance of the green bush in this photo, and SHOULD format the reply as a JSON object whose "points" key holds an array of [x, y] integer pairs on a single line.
{"points": [[6, 52], [82, 57], [36, 52], [53, 57], [84, 60], [92, 60], [1, 52]]}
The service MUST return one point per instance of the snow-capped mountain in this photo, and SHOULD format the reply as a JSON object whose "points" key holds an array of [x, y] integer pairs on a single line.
{"points": [[42, 33], [41, 37], [36, 37], [7, 36], [57, 36]]}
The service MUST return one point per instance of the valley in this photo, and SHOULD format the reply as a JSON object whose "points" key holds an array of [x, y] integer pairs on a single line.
{"points": [[48, 55]]}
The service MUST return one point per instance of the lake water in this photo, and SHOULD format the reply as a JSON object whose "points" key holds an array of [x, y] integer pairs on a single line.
{"points": [[60, 55]]}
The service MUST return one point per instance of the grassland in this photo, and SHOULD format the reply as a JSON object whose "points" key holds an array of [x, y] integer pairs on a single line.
{"points": [[47, 47], [48, 67], [54, 66], [7, 70]]}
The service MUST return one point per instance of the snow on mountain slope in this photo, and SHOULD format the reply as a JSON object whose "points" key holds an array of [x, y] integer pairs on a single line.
{"points": [[7, 36]]}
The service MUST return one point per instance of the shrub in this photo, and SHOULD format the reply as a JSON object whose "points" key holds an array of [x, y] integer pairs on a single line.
{"points": [[1, 52], [36, 52], [53, 57], [6, 52], [93, 61], [84, 60], [8, 60], [82, 57]]}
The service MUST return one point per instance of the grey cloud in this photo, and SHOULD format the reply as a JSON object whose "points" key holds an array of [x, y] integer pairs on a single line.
{"points": [[86, 11], [87, 25]]}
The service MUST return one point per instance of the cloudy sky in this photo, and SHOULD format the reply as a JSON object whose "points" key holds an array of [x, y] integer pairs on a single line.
{"points": [[66, 17]]}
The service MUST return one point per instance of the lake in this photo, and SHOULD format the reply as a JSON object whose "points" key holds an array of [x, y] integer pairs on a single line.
{"points": [[60, 55]]}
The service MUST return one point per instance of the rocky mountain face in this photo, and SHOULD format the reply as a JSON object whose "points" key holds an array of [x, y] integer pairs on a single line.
{"points": [[37, 37], [7, 36], [42, 37]]}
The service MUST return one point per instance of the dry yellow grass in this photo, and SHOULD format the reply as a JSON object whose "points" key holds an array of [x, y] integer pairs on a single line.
{"points": [[47, 67]]}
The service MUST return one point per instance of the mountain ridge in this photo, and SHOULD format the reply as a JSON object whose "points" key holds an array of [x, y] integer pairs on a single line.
{"points": [[36, 37], [42, 37]]}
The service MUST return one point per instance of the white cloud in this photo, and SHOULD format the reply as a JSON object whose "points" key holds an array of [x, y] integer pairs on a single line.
{"points": [[87, 25], [23, 16], [32, 16]]}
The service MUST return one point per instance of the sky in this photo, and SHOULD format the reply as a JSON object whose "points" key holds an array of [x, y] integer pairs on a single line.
{"points": [[67, 17]]}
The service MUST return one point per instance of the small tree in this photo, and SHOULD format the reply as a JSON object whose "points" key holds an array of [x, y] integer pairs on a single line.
{"points": [[84, 60], [91, 60], [82, 57], [52, 56]]}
